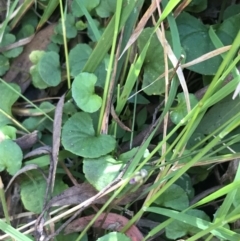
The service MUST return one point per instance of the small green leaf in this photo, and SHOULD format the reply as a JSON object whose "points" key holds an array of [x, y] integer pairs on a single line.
{"points": [[49, 68], [26, 31], [89, 5], [174, 197], [180, 111], [9, 39], [218, 115], [10, 156], [7, 99], [33, 189], [153, 63], [78, 57], [196, 41], [9, 132], [83, 92], [78, 137], [34, 123], [36, 78], [71, 30], [114, 236], [177, 229], [185, 183], [4, 65], [36, 55], [106, 8], [101, 171]]}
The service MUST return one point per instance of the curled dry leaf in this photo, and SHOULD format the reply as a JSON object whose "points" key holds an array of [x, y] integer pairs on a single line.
{"points": [[27, 141], [39, 151], [84, 191], [110, 221]]}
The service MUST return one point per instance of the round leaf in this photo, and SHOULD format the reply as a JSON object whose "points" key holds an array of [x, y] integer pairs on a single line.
{"points": [[9, 39], [7, 99], [36, 78], [83, 92], [78, 56], [89, 5], [33, 190], [174, 197], [101, 171], [49, 68], [153, 63], [78, 136], [10, 156]]}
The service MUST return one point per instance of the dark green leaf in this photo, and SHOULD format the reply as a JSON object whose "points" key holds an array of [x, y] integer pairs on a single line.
{"points": [[10, 156], [78, 137]]}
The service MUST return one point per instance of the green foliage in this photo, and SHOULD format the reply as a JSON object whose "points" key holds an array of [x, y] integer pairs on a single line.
{"points": [[180, 111], [78, 56], [106, 8], [97, 158], [83, 92], [9, 132], [9, 39], [10, 156], [196, 41], [89, 5], [46, 71], [179, 229], [49, 68], [114, 236], [197, 6], [218, 115], [26, 31], [153, 64], [78, 137], [7, 99], [4, 64], [105, 170], [33, 189], [174, 197], [71, 31]]}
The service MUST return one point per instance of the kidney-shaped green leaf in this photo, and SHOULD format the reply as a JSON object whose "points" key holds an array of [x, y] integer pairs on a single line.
{"points": [[83, 92], [175, 197], [49, 68], [10, 156], [78, 137], [153, 63], [101, 171], [33, 189]]}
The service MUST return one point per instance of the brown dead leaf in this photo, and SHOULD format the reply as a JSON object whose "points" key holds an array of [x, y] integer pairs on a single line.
{"points": [[39, 151], [110, 221], [27, 141], [84, 191], [19, 70], [57, 126]]}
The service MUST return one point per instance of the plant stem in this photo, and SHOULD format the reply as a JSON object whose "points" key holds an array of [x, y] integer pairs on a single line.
{"points": [[4, 203]]}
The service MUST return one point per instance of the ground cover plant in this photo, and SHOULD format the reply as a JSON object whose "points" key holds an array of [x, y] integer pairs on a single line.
{"points": [[119, 120]]}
